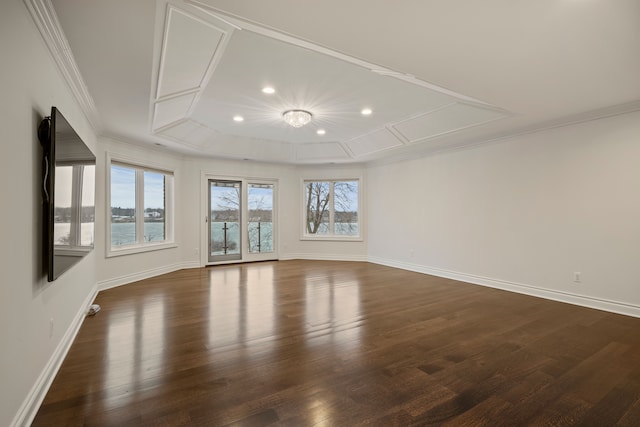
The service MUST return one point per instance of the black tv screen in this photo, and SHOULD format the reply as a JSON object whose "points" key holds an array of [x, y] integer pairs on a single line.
{"points": [[68, 194]]}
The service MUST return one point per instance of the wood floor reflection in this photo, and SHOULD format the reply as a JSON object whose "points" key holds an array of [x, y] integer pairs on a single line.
{"points": [[312, 343]]}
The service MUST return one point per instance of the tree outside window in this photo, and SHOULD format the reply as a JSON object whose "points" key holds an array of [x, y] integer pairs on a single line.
{"points": [[331, 208]]}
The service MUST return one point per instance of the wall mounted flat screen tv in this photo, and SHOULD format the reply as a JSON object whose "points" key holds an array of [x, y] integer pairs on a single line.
{"points": [[68, 193]]}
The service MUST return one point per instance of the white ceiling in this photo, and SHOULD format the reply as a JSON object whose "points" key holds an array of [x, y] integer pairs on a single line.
{"points": [[437, 74]]}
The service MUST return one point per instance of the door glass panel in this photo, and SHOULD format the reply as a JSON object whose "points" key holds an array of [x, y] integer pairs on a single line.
{"points": [[260, 221], [224, 220]]}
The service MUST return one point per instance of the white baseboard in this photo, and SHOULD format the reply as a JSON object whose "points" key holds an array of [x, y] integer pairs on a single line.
{"points": [[323, 257], [31, 404], [141, 275], [567, 297]]}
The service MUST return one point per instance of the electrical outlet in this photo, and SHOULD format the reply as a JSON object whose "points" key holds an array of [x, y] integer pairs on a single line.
{"points": [[51, 327], [196, 251], [577, 276]]}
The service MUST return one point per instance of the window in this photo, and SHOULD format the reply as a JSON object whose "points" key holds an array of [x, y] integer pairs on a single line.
{"points": [[140, 216], [331, 209], [74, 211]]}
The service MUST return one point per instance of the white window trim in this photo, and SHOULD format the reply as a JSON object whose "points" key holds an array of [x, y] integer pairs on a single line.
{"points": [[332, 237], [169, 241]]}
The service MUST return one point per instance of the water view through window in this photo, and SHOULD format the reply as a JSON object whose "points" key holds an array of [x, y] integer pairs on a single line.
{"points": [[130, 223], [331, 208], [227, 213]]}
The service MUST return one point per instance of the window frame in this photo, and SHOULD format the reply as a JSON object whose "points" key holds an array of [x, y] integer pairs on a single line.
{"points": [[331, 236], [140, 246]]}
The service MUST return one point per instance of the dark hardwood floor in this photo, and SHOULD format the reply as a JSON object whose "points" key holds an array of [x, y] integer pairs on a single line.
{"points": [[313, 343]]}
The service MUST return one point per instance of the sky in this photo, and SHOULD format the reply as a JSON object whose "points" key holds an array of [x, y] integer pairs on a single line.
{"points": [[258, 198], [123, 184]]}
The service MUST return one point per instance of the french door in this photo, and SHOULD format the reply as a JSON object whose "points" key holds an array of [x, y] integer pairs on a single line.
{"points": [[240, 220]]}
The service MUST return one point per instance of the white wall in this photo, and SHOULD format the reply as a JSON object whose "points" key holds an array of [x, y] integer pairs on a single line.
{"points": [[523, 213], [29, 85], [122, 269]]}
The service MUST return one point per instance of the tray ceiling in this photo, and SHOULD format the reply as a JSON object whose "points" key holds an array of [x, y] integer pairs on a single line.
{"points": [[176, 73], [211, 71]]}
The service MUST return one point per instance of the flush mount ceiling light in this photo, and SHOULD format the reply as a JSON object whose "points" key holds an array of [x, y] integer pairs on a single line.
{"points": [[297, 118]]}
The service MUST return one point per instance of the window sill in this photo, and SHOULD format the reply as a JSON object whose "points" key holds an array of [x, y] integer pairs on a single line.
{"points": [[333, 238], [71, 250], [135, 249]]}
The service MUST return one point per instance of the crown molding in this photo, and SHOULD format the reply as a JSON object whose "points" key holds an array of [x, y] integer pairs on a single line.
{"points": [[45, 18], [571, 120]]}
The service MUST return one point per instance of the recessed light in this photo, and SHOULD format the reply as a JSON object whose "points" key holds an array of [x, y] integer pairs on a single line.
{"points": [[321, 131], [238, 118], [268, 90], [366, 111]]}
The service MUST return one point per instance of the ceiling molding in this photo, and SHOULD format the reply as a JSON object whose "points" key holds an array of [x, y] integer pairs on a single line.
{"points": [[158, 66], [381, 139], [449, 118], [207, 70], [170, 111], [296, 41], [210, 54], [46, 20], [177, 103], [588, 116]]}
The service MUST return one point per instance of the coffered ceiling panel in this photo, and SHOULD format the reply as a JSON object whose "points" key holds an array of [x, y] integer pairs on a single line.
{"points": [[332, 89], [189, 46], [172, 110], [208, 141], [181, 130], [450, 118], [379, 140]]}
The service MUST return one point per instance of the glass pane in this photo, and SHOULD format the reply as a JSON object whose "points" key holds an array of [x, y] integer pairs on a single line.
{"points": [[62, 215], [260, 226], [225, 218], [345, 200], [317, 204], [87, 214], [154, 207], [123, 206]]}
